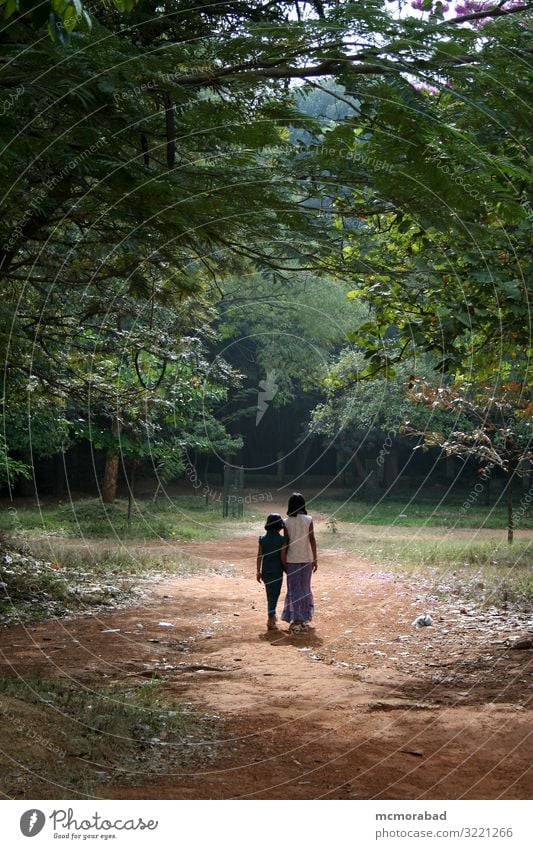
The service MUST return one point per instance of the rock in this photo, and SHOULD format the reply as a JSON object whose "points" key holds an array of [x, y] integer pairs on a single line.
{"points": [[524, 641], [399, 705], [422, 621]]}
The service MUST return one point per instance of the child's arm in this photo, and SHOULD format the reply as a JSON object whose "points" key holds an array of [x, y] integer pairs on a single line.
{"points": [[259, 562], [312, 541]]}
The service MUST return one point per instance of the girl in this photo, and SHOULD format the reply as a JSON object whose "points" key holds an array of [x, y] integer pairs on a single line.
{"points": [[271, 563], [301, 562]]}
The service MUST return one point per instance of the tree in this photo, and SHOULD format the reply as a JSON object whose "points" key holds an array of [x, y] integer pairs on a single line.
{"points": [[108, 235], [135, 167], [443, 250], [495, 426], [368, 415]]}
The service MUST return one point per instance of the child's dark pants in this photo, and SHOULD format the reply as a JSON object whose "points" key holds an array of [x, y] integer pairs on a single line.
{"points": [[273, 581]]}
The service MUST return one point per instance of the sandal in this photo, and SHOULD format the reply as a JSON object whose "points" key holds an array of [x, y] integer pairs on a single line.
{"points": [[272, 623], [295, 629]]}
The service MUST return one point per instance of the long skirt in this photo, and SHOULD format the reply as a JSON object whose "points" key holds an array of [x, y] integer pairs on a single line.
{"points": [[299, 604]]}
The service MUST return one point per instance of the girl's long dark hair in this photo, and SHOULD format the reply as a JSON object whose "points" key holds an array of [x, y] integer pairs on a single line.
{"points": [[296, 504]]}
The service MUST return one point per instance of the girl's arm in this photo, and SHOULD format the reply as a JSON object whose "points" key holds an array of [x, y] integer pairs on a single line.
{"points": [[283, 552], [259, 562], [312, 541], [284, 547]]}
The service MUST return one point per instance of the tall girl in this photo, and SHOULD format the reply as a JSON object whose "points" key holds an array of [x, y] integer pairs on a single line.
{"points": [[301, 562]]}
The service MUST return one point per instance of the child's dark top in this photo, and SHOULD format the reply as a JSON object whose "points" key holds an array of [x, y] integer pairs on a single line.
{"points": [[271, 545]]}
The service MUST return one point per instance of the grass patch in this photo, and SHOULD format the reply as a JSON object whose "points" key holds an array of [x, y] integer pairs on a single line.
{"points": [[488, 571], [115, 561], [92, 736], [180, 518], [453, 512]]}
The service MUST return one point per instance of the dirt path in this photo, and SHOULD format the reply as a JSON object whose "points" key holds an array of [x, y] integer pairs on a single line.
{"points": [[364, 706]]}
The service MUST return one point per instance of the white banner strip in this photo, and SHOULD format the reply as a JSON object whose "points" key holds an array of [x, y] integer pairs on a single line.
{"points": [[262, 824]]}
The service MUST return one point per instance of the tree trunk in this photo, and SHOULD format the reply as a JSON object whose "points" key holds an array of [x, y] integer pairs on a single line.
{"points": [[509, 488], [391, 468], [60, 475], [109, 483], [487, 492], [206, 487], [355, 460], [131, 484], [26, 486], [303, 454]]}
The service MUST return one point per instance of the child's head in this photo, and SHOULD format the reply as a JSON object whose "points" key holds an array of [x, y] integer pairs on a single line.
{"points": [[274, 522], [296, 504]]}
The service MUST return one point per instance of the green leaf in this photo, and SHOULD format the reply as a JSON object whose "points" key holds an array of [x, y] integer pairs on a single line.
{"points": [[10, 7], [70, 19], [57, 30]]}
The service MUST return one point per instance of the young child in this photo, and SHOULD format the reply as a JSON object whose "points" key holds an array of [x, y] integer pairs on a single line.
{"points": [[271, 564]]}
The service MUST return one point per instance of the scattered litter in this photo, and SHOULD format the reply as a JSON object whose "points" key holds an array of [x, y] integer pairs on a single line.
{"points": [[203, 667], [236, 614], [151, 640], [414, 752], [110, 631], [422, 621], [165, 624]]}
